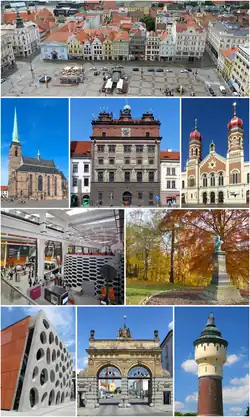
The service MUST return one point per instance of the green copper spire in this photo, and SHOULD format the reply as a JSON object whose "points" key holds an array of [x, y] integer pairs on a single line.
{"points": [[19, 22], [15, 137]]}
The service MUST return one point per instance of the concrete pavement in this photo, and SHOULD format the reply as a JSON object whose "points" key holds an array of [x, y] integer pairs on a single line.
{"points": [[65, 409], [35, 204], [134, 410], [25, 81]]}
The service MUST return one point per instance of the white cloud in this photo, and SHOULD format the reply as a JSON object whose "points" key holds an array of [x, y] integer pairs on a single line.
{"points": [[236, 409], [69, 342], [240, 381], [190, 366], [178, 406], [231, 359], [237, 394], [10, 308], [170, 325], [62, 318], [82, 363], [192, 397]]}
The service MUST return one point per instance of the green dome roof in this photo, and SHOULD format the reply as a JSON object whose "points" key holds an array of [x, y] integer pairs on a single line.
{"points": [[210, 334], [127, 107]]}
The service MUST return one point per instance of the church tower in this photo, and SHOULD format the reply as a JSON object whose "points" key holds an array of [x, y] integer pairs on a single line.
{"points": [[210, 356], [15, 157], [235, 153], [195, 148]]}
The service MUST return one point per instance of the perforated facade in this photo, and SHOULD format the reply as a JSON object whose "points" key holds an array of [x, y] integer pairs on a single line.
{"points": [[45, 368]]}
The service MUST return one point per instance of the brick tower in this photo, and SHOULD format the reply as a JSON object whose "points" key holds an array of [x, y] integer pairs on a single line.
{"points": [[210, 355], [15, 157], [235, 154]]}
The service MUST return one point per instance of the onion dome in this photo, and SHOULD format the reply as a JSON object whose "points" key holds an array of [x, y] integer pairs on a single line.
{"points": [[195, 134], [235, 121], [210, 334]]}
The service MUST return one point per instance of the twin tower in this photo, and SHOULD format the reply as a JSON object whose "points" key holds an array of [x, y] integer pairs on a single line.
{"points": [[210, 356]]}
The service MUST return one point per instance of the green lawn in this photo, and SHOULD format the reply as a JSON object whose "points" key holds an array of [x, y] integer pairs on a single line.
{"points": [[137, 291]]}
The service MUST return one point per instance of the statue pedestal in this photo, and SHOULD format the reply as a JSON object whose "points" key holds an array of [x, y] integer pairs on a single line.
{"points": [[220, 289]]}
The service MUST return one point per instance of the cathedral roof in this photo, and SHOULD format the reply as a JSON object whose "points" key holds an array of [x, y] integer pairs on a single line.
{"points": [[41, 162], [37, 168]]}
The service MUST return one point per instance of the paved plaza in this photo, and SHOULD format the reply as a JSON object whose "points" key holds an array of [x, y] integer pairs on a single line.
{"points": [[35, 204], [25, 81], [134, 410], [65, 409]]}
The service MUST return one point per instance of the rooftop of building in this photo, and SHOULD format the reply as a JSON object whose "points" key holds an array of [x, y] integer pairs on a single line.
{"points": [[229, 53], [169, 155], [230, 28], [4, 187], [80, 148]]}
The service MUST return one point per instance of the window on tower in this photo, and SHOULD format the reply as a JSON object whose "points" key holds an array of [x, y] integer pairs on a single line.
{"points": [[191, 181], [235, 177], [196, 152], [16, 151]]}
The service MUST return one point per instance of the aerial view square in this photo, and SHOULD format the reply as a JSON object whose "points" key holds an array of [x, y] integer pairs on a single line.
{"points": [[135, 48]]}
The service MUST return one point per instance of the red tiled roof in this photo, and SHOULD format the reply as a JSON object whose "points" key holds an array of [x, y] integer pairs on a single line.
{"points": [[228, 52], [9, 17], [61, 37], [165, 155], [122, 36], [80, 148], [4, 187]]}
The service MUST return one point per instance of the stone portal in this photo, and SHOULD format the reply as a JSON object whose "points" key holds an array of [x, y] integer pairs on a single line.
{"points": [[124, 371]]}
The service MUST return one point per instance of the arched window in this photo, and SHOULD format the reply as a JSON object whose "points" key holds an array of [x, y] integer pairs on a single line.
{"points": [[204, 180], [30, 184], [55, 186], [234, 140], [48, 186], [235, 177], [248, 178], [196, 152], [212, 180], [40, 183], [16, 151], [192, 152], [191, 181], [221, 178], [183, 183]]}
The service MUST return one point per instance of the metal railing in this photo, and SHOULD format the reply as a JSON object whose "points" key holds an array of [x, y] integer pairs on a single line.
{"points": [[12, 295]]}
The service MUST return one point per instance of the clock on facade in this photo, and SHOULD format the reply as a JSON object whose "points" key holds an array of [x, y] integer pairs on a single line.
{"points": [[126, 131]]}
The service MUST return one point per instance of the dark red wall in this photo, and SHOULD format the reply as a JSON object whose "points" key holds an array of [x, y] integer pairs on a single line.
{"points": [[210, 397]]}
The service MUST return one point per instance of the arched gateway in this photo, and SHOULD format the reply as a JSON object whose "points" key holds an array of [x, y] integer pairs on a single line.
{"points": [[123, 372]]}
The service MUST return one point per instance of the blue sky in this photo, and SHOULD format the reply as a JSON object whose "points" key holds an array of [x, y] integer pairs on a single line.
{"points": [[42, 124], [233, 322], [213, 116], [166, 110], [62, 318], [106, 322]]}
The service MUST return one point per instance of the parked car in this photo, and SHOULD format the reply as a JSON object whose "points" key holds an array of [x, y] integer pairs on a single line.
{"points": [[45, 79], [169, 70], [135, 69], [223, 90], [184, 70], [93, 69], [211, 91], [104, 69], [2, 80], [159, 70], [151, 70], [97, 73], [235, 94], [192, 94]]}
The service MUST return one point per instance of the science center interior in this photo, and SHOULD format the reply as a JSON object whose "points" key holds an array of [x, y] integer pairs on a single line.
{"points": [[62, 256]]}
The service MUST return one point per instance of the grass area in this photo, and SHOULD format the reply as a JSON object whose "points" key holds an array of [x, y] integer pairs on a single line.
{"points": [[137, 291]]}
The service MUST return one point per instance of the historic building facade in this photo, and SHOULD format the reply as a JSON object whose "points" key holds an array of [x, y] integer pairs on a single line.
{"points": [[122, 365], [125, 160], [33, 178], [215, 179], [210, 356], [170, 177], [80, 172]]}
